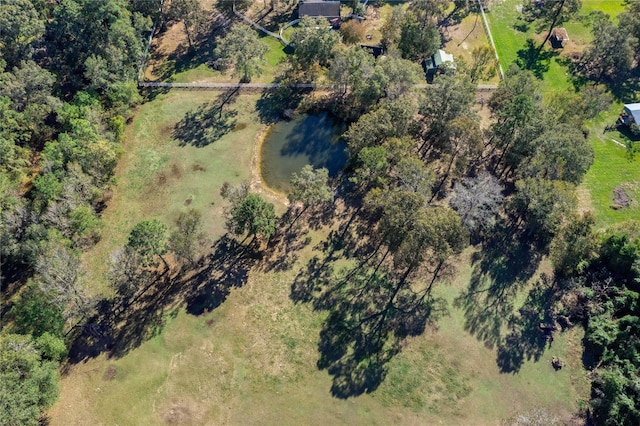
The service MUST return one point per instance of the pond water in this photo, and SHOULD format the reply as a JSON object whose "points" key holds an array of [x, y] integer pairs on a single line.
{"points": [[290, 145]]}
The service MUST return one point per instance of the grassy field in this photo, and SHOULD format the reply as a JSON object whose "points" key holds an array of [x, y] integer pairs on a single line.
{"points": [[158, 177], [252, 360], [613, 167], [510, 35]]}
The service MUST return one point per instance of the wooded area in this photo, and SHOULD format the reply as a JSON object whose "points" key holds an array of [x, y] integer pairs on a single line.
{"points": [[427, 179]]}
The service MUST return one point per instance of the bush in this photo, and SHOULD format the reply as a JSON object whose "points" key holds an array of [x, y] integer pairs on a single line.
{"points": [[352, 32]]}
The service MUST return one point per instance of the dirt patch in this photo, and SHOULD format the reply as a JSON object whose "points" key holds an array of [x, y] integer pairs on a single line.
{"points": [[621, 200], [178, 415], [162, 178], [182, 412], [198, 168], [188, 201], [240, 126], [110, 373], [176, 171]]}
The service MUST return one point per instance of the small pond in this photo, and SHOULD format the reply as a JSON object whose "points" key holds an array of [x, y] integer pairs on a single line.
{"points": [[290, 145]]}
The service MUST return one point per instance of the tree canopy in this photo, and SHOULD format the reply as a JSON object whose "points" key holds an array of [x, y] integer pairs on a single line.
{"points": [[243, 50]]}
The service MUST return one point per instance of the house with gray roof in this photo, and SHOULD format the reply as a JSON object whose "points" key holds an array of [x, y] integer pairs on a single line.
{"points": [[329, 9]]}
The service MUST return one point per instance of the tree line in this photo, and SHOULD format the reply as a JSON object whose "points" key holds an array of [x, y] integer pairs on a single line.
{"points": [[67, 86]]}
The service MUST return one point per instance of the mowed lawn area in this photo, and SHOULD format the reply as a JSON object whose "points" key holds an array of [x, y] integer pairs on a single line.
{"points": [[252, 359], [613, 168], [510, 35]]}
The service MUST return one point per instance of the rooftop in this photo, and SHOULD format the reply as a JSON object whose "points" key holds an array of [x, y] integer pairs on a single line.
{"points": [[634, 111]]}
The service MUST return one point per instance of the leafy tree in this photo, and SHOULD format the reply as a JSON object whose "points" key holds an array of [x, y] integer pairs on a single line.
{"points": [[437, 234], [428, 10], [561, 153], [575, 246], [418, 40], [543, 205], [612, 50], [35, 313], [149, 239], [191, 14], [83, 222], [310, 187], [463, 142], [447, 102], [400, 210], [371, 167], [412, 175], [399, 76], [28, 383], [391, 119], [630, 22], [354, 74], [85, 35], [243, 49], [29, 88], [253, 216], [483, 64], [392, 25], [477, 200], [313, 42], [187, 238], [20, 29], [517, 110]]}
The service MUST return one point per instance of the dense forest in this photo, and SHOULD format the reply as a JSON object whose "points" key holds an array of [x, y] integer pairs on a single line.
{"points": [[424, 181]]}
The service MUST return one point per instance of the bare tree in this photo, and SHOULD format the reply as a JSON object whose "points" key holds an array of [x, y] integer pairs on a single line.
{"points": [[477, 200]]}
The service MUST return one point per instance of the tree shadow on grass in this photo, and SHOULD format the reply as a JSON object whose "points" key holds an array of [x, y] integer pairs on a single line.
{"points": [[530, 328], [185, 57], [501, 268], [530, 58], [273, 102], [370, 309], [228, 267], [129, 319], [209, 122]]}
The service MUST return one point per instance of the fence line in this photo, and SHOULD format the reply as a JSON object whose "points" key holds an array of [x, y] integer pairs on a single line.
{"points": [[258, 26], [269, 85], [486, 26], [146, 52]]}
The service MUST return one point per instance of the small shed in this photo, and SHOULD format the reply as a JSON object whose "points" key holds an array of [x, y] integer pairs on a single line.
{"points": [[329, 9], [630, 115], [558, 38], [438, 61]]}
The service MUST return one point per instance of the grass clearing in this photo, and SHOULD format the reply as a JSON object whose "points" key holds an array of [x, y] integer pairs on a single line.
{"points": [[156, 176], [253, 359]]}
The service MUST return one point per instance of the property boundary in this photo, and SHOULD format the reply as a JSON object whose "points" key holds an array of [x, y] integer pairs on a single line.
{"points": [[486, 27]]}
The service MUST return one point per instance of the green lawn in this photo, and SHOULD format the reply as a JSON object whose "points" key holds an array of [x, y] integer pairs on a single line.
{"points": [[612, 167], [509, 37]]}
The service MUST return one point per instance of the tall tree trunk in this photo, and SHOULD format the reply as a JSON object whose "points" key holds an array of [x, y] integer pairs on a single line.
{"points": [[553, 24], [445, 177]]}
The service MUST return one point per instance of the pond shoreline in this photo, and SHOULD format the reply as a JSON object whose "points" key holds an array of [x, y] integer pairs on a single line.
{"points": [[257, 182]]}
